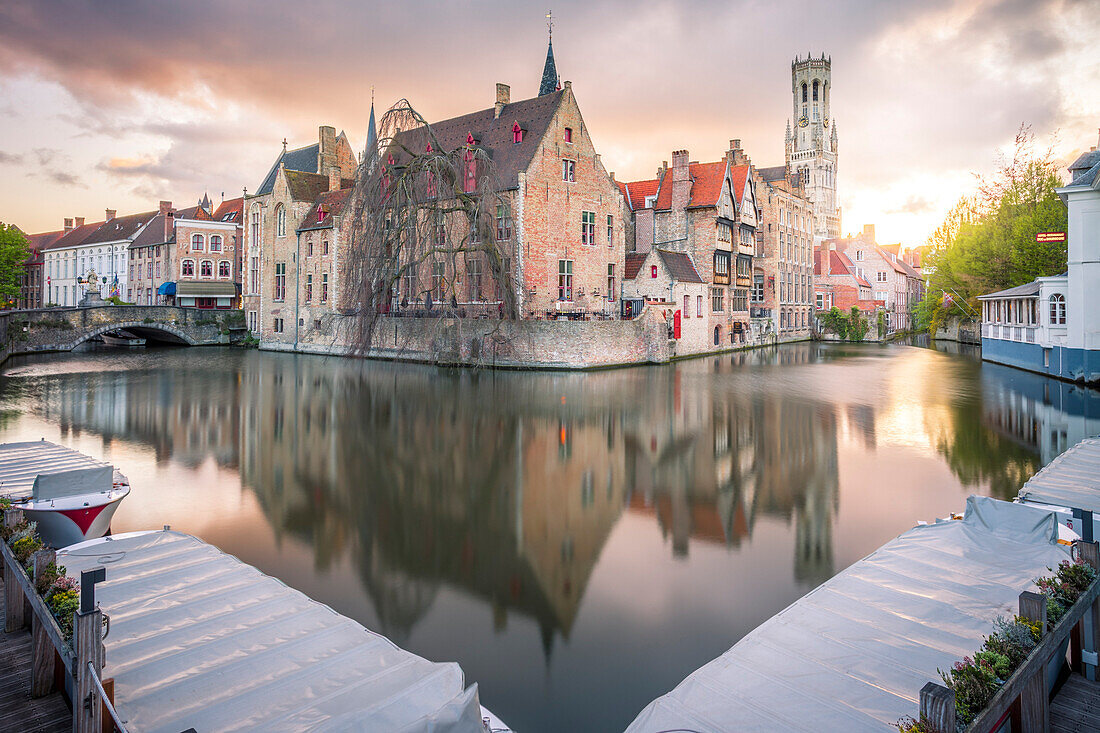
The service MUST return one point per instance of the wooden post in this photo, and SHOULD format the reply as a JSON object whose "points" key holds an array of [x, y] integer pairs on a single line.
{"points": [[42, 651], [88, 642], [13, 594], [937, 706], [1090, 553], [1034, 710]]}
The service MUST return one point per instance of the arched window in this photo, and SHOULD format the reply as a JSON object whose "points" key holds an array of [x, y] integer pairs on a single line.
{"points": [[804, 93], [254, 226], [1057, 310], [187, 268], [206, 268], [717, 335], [197, 243], [224, 269], [215, 243], [280, 221], [815, 89]]}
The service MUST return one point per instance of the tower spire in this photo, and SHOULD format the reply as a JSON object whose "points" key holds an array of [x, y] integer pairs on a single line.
{"points": [[550, 81], [372, 132]]}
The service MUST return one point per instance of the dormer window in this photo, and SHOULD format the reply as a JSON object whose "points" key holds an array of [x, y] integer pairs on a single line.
{"points": [[469, 138], [517, 134], [321, 214], [428, 149], [569, 134]]}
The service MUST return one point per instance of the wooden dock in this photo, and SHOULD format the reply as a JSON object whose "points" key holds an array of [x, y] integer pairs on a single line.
{"points": [[1076, 707], [18, 710]]}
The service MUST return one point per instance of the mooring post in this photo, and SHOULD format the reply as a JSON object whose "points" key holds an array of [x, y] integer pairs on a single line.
{"points": [[1034, 710], [90, 655], [937, 707], [13, 593], [42, 651], [1090, 552]]}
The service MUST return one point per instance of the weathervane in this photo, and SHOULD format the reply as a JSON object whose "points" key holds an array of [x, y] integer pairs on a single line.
{"points": [[550, 23]]}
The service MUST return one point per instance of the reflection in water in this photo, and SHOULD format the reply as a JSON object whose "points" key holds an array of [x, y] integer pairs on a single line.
{"points": [[540, 498]]}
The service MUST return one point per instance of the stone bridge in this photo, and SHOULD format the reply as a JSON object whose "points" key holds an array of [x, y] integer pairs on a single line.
{"points": [[63, 329]]}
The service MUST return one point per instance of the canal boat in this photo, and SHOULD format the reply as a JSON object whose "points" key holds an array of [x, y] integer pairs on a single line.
{"points": [[72, 497], [122, 338], [1069, 486], [201, 640]]}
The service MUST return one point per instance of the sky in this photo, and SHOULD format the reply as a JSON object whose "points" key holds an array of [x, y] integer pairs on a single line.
{"points": [[117, 104]]}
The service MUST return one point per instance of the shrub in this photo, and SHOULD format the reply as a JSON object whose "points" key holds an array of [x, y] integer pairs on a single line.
{"points": [[5, 503], [48, 577], [64, 603], [24, 547]]}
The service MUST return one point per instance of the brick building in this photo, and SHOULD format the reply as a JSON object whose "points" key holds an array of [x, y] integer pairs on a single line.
{"points": [[839, 283], [783, 273], [670, 279], [893, 281], [709, 211]]}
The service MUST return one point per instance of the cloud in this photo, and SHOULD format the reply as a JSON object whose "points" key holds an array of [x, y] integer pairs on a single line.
{"points": [[63, 178], [10, 158]]}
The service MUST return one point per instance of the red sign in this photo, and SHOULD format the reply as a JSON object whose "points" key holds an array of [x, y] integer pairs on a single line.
{"points": [[1050, 237], [676, 325]]}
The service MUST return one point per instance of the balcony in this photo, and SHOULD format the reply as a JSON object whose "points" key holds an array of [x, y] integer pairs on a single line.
{"points": [[1008, 332]]}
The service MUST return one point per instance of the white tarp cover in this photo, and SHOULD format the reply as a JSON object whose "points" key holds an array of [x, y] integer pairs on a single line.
{"points": [[200, 640], [22, 463], [1070, 480], [853, 654]]}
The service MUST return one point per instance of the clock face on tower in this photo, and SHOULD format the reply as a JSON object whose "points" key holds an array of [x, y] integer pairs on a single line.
{"points": [[802, 121]]}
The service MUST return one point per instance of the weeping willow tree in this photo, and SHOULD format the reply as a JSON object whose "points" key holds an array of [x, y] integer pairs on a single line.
{"points": [[430, 231]]}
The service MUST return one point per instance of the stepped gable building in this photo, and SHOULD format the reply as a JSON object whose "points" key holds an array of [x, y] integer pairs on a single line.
{"points": [[811, 148], [893, 281], [274, 282], [709, 211], [839, 283], [783, 285], [32, 283]]}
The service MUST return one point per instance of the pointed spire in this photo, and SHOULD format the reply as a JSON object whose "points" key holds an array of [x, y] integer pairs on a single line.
{"points": [[372, 131], [550, 82]]}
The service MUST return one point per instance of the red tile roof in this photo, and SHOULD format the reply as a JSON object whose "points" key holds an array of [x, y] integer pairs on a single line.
{"points": [[894, 249], [706, 185], [230, 206], [839, 264], [739, 174], [333, 202], [634, 262], [76, 237], [635, 192], [38, 242]]}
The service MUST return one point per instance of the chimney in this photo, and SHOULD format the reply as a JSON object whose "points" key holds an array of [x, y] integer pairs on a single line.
{"points": [[68, 224], [326, 136], [681, 180], [110, 214], [736, 154], [79, 222], [165, 207], [169, 220], [869, 233], [504, 96], [334, 179]]}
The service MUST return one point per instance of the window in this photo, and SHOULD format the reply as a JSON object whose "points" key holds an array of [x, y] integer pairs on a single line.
{"points": [[1057, 309], [280, 221], [880, 277], [698, 306], [725, 234], [803, 93], [588, 227], [149, 270], [324, 246], [409, 282], [819, 300], [517, 133], [717, 300], [131, 272], [187, 268], [757, 288], [569, 134], [611, 281], [686, 311], [438, 268], [206, 268], [280, 281], [278, 327], [565, 280], [309, 248], [721, 267], [215, 243], [473, 279], [224, 269], [859, 255], [739, 300], [158, 268], [255, 226], [197, 243], [653, 271], [254, 276], [309, 288], [504, 222], [816, 84], [568, 170], [324, 288], [470, 178], [610, 230]]}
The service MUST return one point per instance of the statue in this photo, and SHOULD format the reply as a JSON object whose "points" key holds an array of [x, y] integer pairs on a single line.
{"points": [[91, 290]]}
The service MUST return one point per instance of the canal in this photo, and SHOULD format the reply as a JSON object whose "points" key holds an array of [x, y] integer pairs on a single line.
{"points": [[577, 542]]}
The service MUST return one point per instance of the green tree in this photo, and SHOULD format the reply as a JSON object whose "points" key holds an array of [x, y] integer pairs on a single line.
{"points": [[13, 253], [987, 241]]}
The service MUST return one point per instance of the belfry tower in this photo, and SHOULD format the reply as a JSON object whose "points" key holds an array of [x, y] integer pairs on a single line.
{"points": [[811, 145]]}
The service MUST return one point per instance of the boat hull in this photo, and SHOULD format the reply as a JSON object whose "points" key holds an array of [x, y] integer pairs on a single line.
{"points": [[61, 525], [116, 341]]}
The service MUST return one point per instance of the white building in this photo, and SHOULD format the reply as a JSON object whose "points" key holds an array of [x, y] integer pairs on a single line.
{"points": [[99, 247], [811, 149]]}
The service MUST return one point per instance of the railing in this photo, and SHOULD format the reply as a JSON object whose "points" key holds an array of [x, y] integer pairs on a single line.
{"points": [[83, 661], [1009, 332], [1023, 698]]}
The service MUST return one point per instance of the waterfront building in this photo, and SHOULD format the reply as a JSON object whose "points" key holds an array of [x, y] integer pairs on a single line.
{"points": [[838, 283], [99, 247], [709, 211], [275, 283], [811, 148], [894, 283], [32, 280], [670, 279], [783, 270], [1050, 325]]}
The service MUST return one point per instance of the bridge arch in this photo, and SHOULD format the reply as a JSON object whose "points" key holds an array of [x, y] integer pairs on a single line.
{"points": [[138, 328]]}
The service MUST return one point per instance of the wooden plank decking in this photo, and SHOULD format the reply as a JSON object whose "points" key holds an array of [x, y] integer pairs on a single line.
{"points": [[18, 710], [1076, 707]]}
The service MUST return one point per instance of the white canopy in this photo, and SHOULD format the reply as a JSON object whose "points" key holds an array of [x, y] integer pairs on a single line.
{"points": [[853, 654], [1070, 480], [50, 471], [200, 640]]}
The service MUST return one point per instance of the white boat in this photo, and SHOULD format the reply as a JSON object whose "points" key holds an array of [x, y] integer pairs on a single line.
{"points": [[122, 338], [1069, 486], [71, 496]]}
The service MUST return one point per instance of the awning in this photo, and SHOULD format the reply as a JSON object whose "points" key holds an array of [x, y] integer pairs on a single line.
{"points": [[206, 290], [167, 289], [1069, 480]]}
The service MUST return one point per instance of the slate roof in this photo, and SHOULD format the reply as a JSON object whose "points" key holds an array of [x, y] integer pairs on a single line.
{"points": [[231, 210], [494, 135], [634, 261], [635, 192], [120, 228], [38, 242], [308, 186], [76, 237], [679, 266], [550, 81], [1020, 291], [774, 173], [152, 234], [334, 203], [299, 159]]}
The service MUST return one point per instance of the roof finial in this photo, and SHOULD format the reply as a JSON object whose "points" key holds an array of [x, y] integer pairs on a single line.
{"points": [[550, 82], [284, 144], [550, 24]]}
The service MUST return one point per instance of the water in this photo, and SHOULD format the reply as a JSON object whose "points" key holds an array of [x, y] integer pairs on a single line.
{"points": [[577, 542]]}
